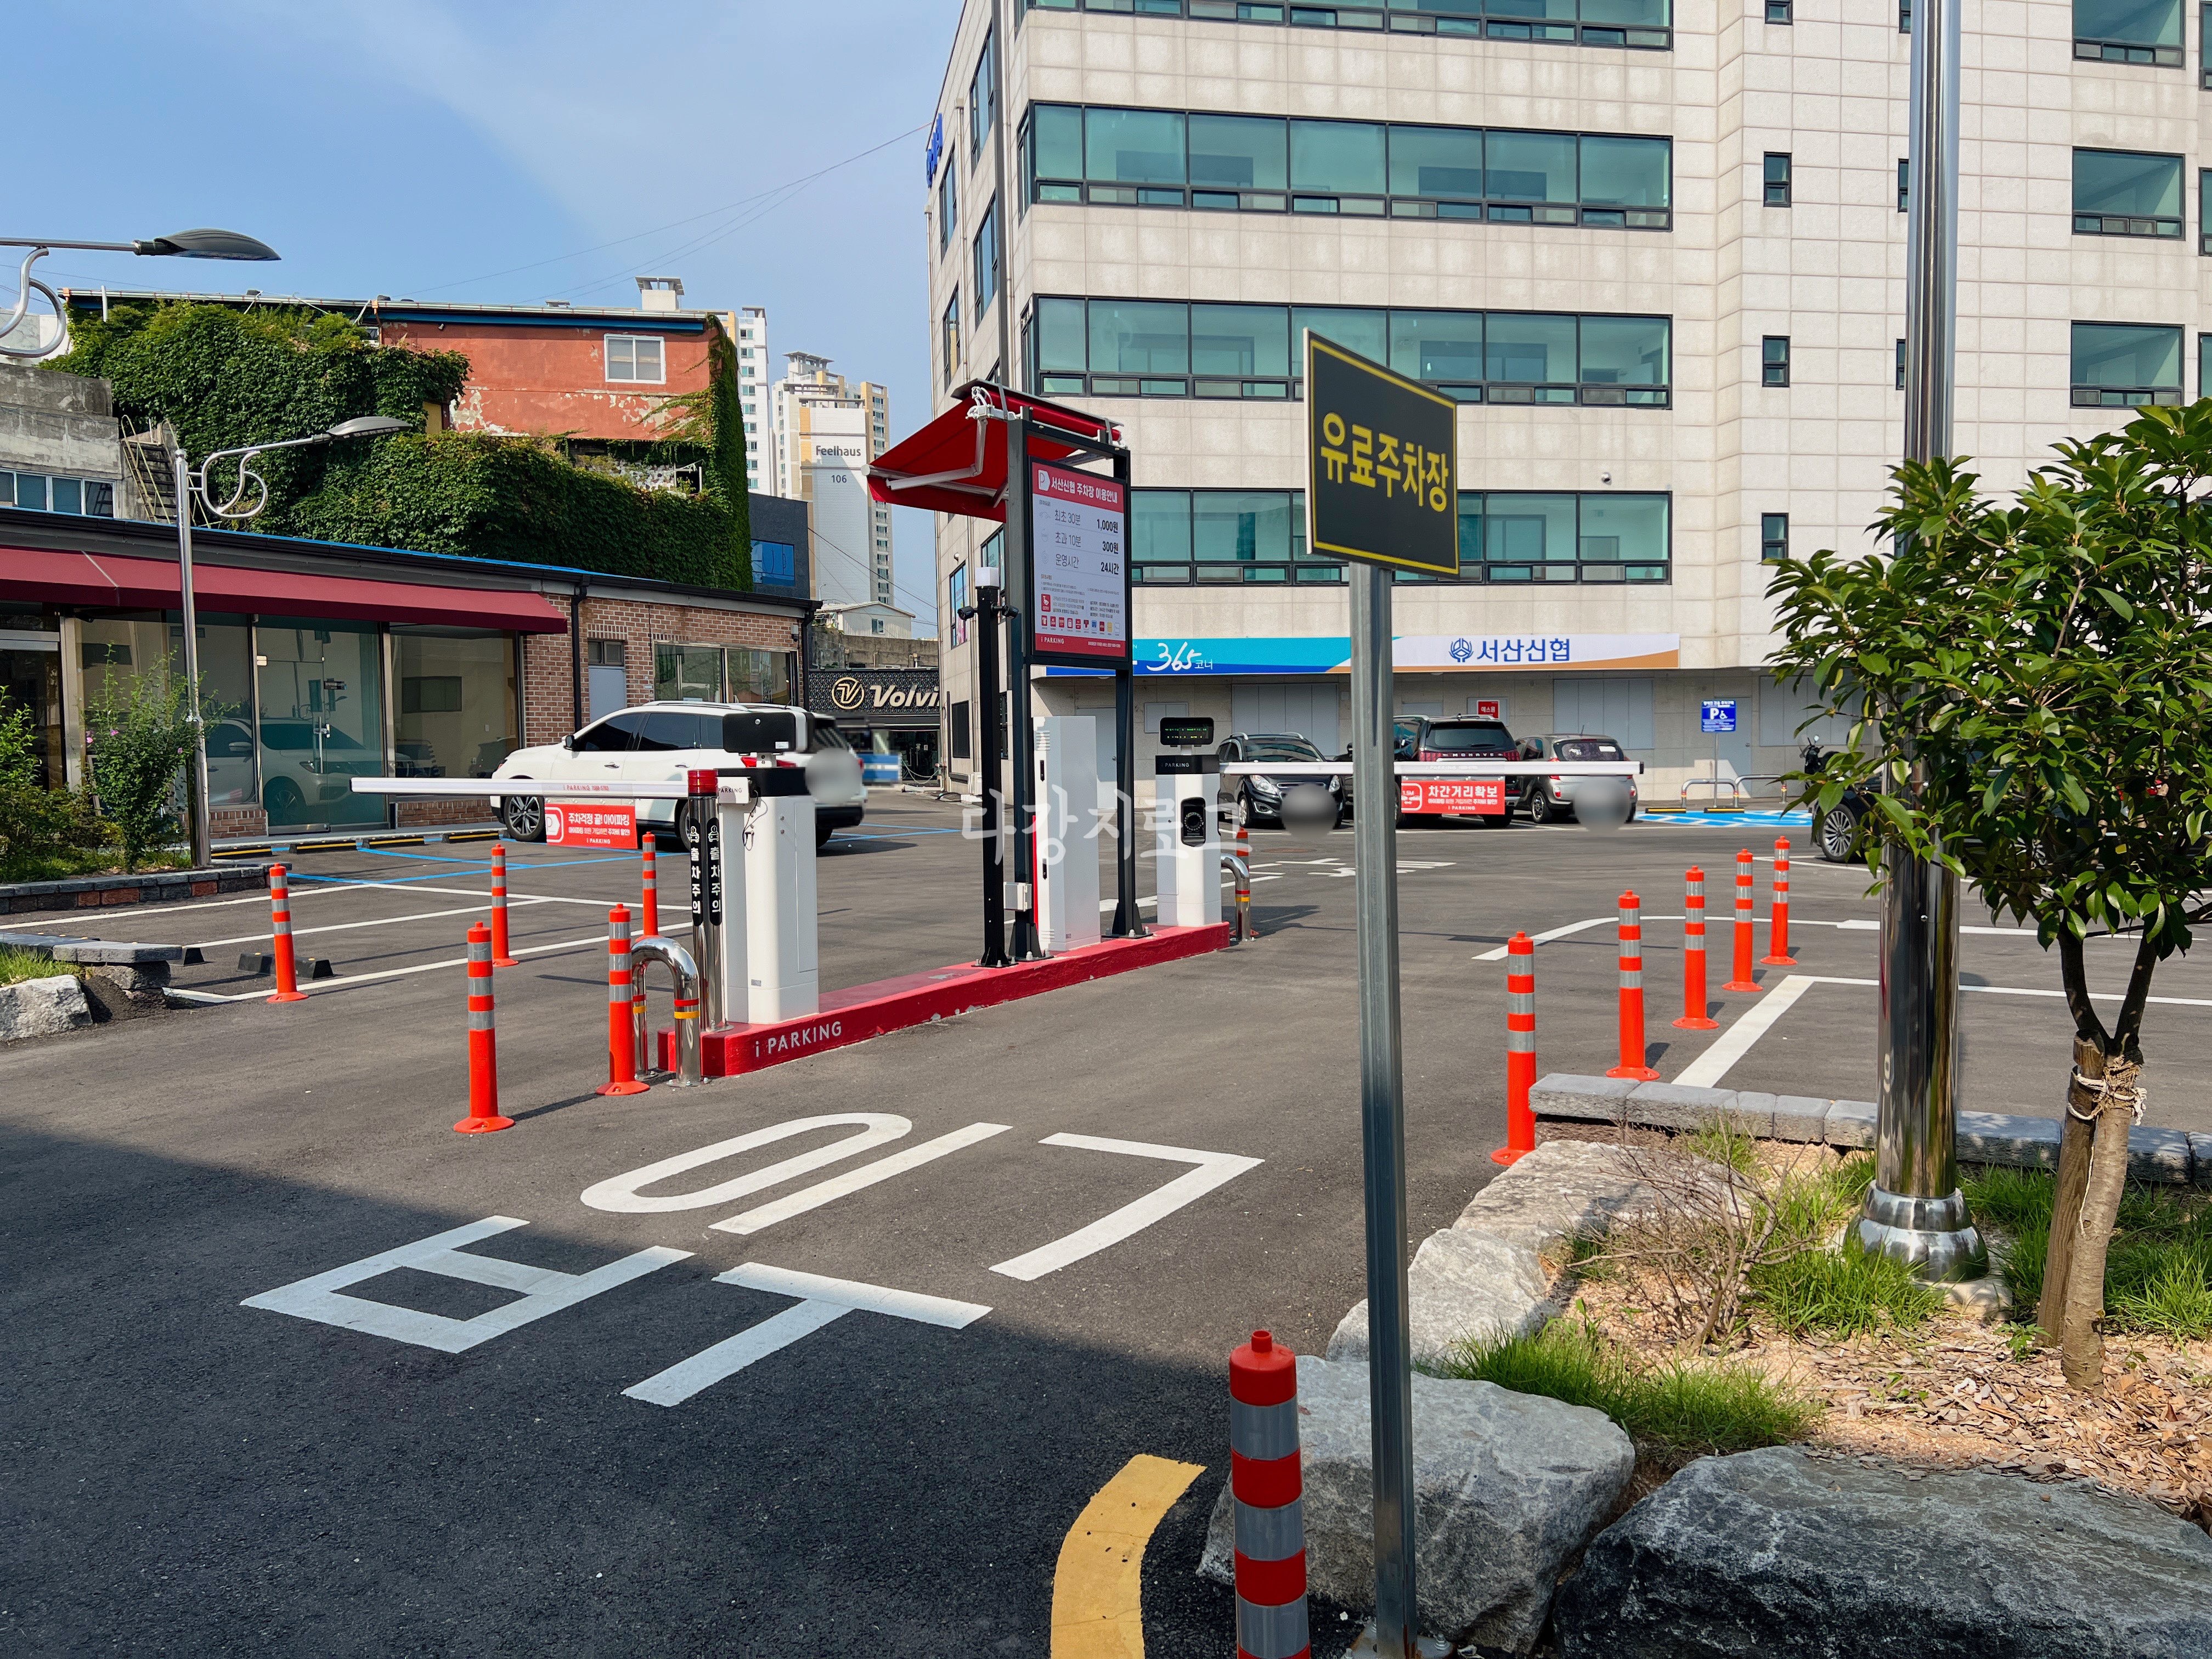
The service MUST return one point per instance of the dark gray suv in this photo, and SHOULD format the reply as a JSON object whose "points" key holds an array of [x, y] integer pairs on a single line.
{"points": [[1262, 796]]}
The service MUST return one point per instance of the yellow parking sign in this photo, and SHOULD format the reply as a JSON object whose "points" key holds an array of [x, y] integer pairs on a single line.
{"points": [[1382, 464]]}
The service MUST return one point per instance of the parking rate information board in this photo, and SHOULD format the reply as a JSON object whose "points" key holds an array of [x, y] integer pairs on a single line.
{"points": [[1080, 609]]}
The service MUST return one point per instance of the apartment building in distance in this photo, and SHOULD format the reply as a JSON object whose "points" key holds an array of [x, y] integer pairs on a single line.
{"points": [[1654, 248], [747, 327], [827, 430]]}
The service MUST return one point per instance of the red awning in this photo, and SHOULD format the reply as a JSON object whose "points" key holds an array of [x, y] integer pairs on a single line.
{"points": [[958, 463], [131, 584]]}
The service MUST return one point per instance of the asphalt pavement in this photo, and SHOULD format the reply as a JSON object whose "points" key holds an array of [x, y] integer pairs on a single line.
{"points": [[693, 1450]]}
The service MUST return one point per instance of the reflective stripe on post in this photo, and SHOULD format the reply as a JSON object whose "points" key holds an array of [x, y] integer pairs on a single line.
{"points": [[1694, 1018], [502, 957], [648, 903], [1266, 1488], [1778, 918], [1632, 1047], [1245, 932], [1520, 1049], [280, 942], [483, 1053], [1743, 980], [622, 1046]]}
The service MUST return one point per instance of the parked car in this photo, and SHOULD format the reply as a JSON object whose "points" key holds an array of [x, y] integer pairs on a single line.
{"points": [[1421, 739], [1262, 796], [1551, 800], [660, 742], [1836, 833]]}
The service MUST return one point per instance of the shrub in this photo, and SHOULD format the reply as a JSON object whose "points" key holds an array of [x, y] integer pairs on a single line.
{"points": [[142, 741], [44, 833]]}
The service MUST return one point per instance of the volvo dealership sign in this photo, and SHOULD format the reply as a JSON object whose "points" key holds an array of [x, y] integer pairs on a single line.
{"points": [[875, 696]]}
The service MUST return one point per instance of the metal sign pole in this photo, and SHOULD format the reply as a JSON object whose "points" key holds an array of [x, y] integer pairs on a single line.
{"points": [[1018, 560], [1914, 1209], [1128, 922], [990, 763], [1382, 1108]]}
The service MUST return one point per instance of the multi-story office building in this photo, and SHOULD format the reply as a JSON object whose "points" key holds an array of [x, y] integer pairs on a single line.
{"points": [[1655, 249], [747, 327], [828, 428]]}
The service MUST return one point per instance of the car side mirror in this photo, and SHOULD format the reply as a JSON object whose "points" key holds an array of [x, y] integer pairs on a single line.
{"points": [[569, 742]]}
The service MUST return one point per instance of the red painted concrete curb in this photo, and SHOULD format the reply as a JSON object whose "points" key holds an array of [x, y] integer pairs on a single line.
{"points": [[892, 1004]]}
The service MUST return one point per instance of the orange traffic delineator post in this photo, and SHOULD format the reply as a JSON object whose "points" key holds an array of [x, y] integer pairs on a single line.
{"points": [[1743, 980], [648, 903], [1694, 1018], [1520, 1049], [1632, 993], [622, 1042], [1778, 918], [1245, 932], [280, 927], [1267, 1485], [501, 956], [483, 1051]]}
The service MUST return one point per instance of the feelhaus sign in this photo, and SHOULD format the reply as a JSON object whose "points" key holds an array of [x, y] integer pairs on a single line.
{"points": [[875, 696]]}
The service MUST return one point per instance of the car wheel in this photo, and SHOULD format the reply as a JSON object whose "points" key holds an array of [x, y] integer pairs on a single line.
{"points": [[523, 818], [282, 801], [1545, 810], [1837, 834]]}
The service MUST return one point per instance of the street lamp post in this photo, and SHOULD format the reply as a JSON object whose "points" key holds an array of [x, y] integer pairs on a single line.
{"points": [[192, 485]]}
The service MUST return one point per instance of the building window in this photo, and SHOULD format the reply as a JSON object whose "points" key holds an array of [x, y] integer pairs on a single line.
{"points": [[2203, 368], [636, 357], [950, 330], [1905, 16], [1256, 537], [457, 705], [41, 492], [987, 260], [1777, 180], [1904, 184], [1172, 348], [775, 563], [982, 98], [1774, 360], [2129, 31], [2206, 73], [958, 741], [2123, 365], [1270, 164], [2120, 193], [1900, 365], [1639, 25], [1777, 11], [948, 208], [1774, 535]]}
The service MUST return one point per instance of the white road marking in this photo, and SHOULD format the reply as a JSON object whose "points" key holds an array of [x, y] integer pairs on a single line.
{"points": [[1500, 954], [1106, 906], [380, 921], [620, 1192], [1734, 1043], [824, 1192], [825, 1300], [1214, 1170], [541, 1291]]}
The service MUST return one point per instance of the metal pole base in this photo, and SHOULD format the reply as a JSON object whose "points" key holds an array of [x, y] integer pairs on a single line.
{"points": [[1424, 1647], [1931, 1235]]}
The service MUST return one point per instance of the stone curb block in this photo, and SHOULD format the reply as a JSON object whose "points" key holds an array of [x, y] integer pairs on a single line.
{"points": [[2005, 1138], [1850, 1124], [42, 1007], [62, 947], [2200, 1159], [1671, 1106], [1585, 1099]]}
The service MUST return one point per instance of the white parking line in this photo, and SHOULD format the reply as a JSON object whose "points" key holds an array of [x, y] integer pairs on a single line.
{"points": [[317, 988], [380, 921], [1500, 954]]}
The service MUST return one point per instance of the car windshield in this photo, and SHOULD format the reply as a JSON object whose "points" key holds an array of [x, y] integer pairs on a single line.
{"points": [[1590, 749], [1280, 749], [1469, 737]]}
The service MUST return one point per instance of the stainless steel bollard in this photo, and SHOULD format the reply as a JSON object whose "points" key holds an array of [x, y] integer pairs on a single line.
{"points": [[684, 973]]}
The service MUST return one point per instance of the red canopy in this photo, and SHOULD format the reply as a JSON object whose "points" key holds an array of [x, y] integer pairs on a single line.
{"points": [[958, 463], [108, 579]]}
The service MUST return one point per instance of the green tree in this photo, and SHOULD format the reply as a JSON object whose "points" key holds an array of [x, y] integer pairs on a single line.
{"points": [[140, 731], [43, 832], [2031, 689]]}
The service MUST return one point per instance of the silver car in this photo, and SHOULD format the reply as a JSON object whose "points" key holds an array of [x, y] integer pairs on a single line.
{"points": [[1551, 799]]}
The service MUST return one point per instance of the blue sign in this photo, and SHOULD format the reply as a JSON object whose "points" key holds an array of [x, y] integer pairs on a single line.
{"points": [[936, 149], [1717, 716]]}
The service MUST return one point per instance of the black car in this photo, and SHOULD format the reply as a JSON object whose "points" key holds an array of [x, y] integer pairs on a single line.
{"points": [[1836, 832], [1260, 795]]}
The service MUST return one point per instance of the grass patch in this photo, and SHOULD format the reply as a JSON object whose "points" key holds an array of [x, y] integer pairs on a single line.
{"points": [[1843, 1292], [18, 964], [2158, 1269], [1703, 1407]]}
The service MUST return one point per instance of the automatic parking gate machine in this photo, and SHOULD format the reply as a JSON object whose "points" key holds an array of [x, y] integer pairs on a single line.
{"points": [[1186, 828]]}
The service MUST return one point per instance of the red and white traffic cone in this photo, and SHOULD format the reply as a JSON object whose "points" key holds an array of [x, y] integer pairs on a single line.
{"points": [[621, 1041], [501, 956], [484, 1043], [1694, 1018], [1743, 980], [1520, 1049], [648, 903], [1267, 1485], [280, 929], [1245, 932], [1778, 918], [1632, 993]]}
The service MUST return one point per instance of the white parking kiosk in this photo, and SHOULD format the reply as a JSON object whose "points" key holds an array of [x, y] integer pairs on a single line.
{"points": [[1067, 848], [782, 974], [1187, 877]]}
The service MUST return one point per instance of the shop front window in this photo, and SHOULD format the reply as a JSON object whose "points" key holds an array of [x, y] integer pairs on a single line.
{"points": [[117, 651], [321, 707], [31, 685], [456, 705]]}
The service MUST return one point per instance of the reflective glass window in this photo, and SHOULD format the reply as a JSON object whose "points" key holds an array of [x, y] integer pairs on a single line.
{"points": [[1239, 152], [321, 723], [1625, 351], [1530, 166], [1133, 146], [1527, 528], [2139, 22], [1528, 347], [1629, 14], [1140, 336], [1623, 529], [1240, 340], [1439, 161], [1436, 345], [1240, 526], [1354, 328], [1159, 528], [1626, 172], [2126, 362], [457, 705], [1059, 335], [2126, 185], [1337, 157], [1055, 152]]}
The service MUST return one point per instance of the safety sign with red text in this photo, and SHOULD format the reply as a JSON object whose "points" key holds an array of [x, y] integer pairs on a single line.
{"points": [[1483, 796], [591, 823]]}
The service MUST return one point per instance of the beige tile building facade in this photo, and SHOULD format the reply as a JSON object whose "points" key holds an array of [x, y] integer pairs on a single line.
{"points": [[1622, 494]]}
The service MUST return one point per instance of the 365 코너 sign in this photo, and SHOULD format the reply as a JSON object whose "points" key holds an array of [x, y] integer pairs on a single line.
{"points": [[1080, 609]]}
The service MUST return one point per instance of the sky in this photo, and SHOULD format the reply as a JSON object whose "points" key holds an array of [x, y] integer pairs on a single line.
{"points": [[768, 152]]}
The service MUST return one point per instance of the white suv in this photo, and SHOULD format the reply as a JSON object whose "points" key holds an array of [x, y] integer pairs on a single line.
{"points": [[659, 742]]}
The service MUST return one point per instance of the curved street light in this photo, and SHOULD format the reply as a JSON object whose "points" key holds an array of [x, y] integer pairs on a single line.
{"points": [[180, 245], [192, 485]]}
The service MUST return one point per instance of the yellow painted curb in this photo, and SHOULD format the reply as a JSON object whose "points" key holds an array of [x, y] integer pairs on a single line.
{"points": [[1098, 1588]]}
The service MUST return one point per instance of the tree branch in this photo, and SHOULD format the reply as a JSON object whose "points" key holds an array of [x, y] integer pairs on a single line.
{"points": [[2073, 972], [2127, 1031]]}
